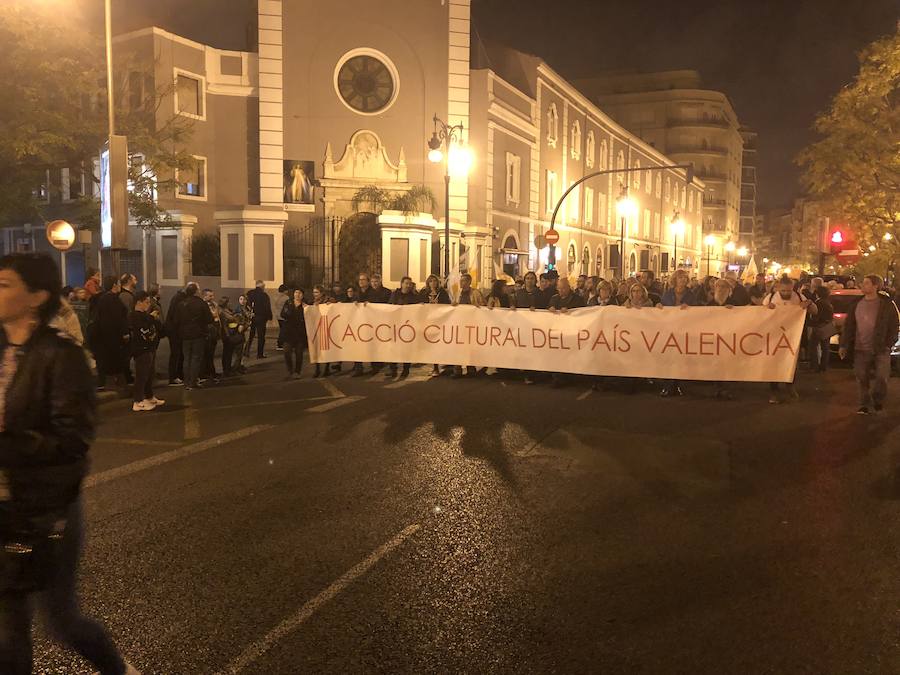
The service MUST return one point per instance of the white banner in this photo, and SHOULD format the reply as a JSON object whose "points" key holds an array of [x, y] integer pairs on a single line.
{"points": [[752, 344]]}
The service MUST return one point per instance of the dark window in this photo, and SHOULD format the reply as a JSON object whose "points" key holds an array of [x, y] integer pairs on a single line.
{"points": [[365, 83]]}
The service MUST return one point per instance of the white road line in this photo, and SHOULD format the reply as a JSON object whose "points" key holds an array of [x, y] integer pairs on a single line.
{"points": [[406, 381], [289, 625], [264, 403], [331, 389], [172, 455], [136, 441], [191, 419], [334, 403], [584, 395]]}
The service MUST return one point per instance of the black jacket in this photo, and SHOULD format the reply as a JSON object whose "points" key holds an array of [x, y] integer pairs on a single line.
{"points": [[49, 420], [887, 323], [193, 318], [294, 331], [442, 297], [398, 298], [526, 300], [172, 315], [572, 301], [259, 300], [144, 332], [380, 295]]}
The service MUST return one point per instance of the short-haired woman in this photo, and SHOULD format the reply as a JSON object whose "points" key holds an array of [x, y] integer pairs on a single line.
{"points": [[47, 419]]}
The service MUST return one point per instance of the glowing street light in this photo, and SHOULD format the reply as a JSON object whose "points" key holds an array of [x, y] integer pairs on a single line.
{"points": [[872, 247], [710, 241], [447, 143], [730, 246], [678, 231], [888, 236], [627, 208]]}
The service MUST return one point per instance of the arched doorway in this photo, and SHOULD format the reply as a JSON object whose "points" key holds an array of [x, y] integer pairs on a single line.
{"points": [[586, 261], [632, 264], [359, 246], [598, 262], [510, 256]]}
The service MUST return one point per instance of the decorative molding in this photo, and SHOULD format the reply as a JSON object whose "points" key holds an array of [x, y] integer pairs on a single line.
{"points": [[365, 158]]}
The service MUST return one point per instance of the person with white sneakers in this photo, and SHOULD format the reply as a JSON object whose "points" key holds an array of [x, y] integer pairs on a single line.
{"points": [[144, 330]]}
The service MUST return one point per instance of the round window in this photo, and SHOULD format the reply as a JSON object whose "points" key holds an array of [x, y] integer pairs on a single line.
{"points": [[366, 83]]}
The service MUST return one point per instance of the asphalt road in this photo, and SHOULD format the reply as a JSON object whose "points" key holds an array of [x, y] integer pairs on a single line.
{"points": [[484, 526]]}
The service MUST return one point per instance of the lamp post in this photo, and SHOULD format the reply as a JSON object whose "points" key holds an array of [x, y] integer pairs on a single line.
{"points": [[709, 240], [446, 144], [677, 230], [729, 248], [625, 207]]}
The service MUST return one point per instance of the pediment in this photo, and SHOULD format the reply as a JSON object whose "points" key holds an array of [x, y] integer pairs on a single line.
{"points": [[365, 159]]}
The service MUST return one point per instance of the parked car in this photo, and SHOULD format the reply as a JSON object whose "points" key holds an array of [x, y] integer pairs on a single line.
{"points": [[842, 300]]}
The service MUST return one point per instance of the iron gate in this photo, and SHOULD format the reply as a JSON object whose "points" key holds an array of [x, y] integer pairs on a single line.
{"points": [[305, 248]]}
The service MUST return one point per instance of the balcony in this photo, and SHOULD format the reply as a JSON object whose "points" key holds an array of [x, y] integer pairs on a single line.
{"points": [[713, 203], [703, 121], [697, 150]]}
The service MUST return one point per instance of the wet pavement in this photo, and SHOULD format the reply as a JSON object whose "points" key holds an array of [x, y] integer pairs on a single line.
{"points": [[484, 526]]}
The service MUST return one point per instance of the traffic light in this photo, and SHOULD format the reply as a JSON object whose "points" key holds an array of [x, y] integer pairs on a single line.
{"points": [[837, 240]]}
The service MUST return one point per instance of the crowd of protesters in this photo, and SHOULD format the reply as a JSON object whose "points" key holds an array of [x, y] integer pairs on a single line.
{"points": [[120, 323]]}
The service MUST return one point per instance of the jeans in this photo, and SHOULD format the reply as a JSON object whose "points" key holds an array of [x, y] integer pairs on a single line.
{"points": [[820, 354], [289, 351], [193, 350], [58, 604], [872, 373], [228, 351], [144, 372], [209, 355], [176, 360], [259, 331]]}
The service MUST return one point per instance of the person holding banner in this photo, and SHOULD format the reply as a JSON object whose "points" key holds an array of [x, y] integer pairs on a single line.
{"points": [[294, 334], [602, 295], [529, 297], [677, 295], [320, 297], [405, 295], [722, 297], [564, 300], [783, 294], [433, 294], [638, 298], [467, 296]]}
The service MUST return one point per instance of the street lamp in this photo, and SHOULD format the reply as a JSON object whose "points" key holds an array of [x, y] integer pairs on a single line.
{"points": [[710, 241], [446, 144], [742, 252], [677, 231], [888, 236], [626, 208]]}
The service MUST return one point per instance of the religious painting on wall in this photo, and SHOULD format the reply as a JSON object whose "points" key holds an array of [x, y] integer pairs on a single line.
{"points": [[298, 181]]}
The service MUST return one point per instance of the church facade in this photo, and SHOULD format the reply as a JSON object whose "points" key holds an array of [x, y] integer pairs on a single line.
{"points": [[307, 146]]}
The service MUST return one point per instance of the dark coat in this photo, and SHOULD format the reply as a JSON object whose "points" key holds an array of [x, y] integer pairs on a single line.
{"points": [[294, 330], [193, 318], [535, 299], [887, 323], [572, 301], [740, 296], [144, 331], [49, 420], [172, 315], [109, 330], [261, 303], [442, 298], [380, 295], [398, 298]]}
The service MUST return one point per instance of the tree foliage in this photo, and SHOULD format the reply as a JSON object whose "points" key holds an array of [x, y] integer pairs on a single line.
{"points": [[54, 115], [855, 166], [419, 198]]}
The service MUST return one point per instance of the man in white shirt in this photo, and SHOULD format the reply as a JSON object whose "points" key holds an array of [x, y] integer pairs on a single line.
{"points": [[784, 294]]}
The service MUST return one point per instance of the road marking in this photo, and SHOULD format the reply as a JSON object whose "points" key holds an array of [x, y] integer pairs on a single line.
{"points": [[334, 403], [172, 455], [289, 625], [262, 403], [136, 441], [331, 389], [584, 395], [406, 381]]}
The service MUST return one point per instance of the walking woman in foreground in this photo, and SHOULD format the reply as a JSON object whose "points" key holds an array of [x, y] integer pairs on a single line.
{"points": [[47, 414]]}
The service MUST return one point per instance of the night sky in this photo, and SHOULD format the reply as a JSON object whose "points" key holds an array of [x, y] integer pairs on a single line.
{"points": [[780, 61]]}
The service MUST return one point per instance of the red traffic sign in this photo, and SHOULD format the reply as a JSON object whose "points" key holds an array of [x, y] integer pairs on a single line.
{"points": [[551, 236]]}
